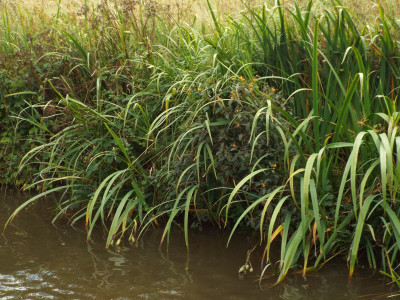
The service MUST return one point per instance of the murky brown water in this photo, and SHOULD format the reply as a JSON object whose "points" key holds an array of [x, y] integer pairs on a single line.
{"points": [[42, 261]]}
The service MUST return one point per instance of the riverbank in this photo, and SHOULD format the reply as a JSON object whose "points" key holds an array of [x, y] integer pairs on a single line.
{"points": [[41, 260], [283, 119]]}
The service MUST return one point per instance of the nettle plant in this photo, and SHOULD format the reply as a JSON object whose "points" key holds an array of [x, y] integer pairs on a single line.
{"points": [[222, 136]]}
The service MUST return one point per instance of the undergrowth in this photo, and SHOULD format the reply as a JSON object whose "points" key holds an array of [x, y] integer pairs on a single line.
{"points": [[283, 119]]}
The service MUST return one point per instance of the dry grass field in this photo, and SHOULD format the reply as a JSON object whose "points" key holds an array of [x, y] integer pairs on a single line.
{"points": [[365, 10]]}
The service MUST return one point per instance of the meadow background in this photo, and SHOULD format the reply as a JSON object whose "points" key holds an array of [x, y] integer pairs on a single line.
{"points": [[362, 10]]}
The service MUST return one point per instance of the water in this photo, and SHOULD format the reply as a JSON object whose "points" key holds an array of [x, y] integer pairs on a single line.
{"points": [[39, 260]]}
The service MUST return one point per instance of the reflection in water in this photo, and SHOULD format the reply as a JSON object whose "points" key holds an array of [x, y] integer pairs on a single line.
{"points": [[42, 261]]}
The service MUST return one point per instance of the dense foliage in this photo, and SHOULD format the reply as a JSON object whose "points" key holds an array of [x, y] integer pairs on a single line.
{"points": [[282, 119]]}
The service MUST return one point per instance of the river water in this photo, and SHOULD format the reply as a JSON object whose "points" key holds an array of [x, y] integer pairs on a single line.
{"points": [[39, 260]]}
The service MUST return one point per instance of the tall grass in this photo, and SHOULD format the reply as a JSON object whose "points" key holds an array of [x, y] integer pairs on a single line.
{"points": [[283, 119]]}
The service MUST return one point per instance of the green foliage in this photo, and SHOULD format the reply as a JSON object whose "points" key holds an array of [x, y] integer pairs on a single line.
{"points": [[283, 120]]}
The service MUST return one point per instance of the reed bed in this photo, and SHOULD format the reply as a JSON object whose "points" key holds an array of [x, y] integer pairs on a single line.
{"points": [[281, 117]]}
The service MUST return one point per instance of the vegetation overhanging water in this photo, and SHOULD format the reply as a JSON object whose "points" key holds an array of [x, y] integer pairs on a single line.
{"points": [[40, 260], [283, 119]]}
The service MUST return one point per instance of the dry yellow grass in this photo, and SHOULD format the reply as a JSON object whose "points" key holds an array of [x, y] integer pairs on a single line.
{"points": [[184, 9], [364, 10]]}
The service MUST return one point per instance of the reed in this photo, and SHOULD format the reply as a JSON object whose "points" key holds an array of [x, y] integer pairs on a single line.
{"points": [[281, 117]]}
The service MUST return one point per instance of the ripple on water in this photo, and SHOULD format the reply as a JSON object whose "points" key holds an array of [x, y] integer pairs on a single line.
{"points": [[63, 292], [9, 282], [41, 295], [33, 277]]}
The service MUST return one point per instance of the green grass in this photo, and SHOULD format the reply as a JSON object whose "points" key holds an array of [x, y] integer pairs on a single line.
{"points": [[282, 118]]}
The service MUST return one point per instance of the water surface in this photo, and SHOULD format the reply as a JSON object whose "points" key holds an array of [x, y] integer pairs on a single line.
{"points": [[39, 260]]}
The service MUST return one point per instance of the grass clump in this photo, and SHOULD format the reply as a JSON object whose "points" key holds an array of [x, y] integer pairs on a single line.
{"points": [[283, 118]]}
